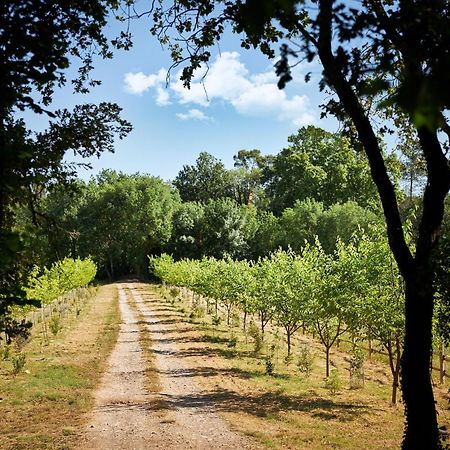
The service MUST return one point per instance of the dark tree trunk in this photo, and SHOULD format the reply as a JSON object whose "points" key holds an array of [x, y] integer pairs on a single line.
{"points": [[421, 430], [263, 323], [288, 337], [395, 365], [421, 423], [442, 363]]}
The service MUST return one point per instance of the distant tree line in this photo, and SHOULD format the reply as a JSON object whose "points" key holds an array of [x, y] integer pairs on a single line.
{"points": [[316, 186]]}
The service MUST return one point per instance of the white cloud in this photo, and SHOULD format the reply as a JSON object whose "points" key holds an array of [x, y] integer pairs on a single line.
{"points": [[228, 81], [193, 114], [138, 83], [162, 96]]}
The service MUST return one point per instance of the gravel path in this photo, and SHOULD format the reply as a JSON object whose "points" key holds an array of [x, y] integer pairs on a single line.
{"points": [[180, 416]]}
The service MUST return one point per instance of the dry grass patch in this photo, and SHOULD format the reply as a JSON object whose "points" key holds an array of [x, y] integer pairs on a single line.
{"points": [[43, 407], [287, 410]]}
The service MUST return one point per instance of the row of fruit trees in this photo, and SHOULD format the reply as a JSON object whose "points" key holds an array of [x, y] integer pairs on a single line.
{"points": [[357, 290], [59, 290]]}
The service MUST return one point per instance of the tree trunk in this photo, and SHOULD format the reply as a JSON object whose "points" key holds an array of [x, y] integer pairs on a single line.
{"points": [[369, 350], [288, 336], [394, 388], [327, 361], [421, 430], [442, 363]]}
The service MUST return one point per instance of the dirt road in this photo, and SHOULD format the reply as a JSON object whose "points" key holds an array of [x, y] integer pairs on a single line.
{"points": [[179, 416]]}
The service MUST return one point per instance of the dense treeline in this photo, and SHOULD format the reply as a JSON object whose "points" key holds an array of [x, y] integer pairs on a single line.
{"points": [[208, 210], [318, 186]]}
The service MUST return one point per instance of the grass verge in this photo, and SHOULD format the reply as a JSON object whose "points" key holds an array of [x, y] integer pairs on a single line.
{"points": [[44, 406]]}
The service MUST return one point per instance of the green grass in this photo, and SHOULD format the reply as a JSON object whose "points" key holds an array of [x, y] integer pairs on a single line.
{"points": [[44, 406]]}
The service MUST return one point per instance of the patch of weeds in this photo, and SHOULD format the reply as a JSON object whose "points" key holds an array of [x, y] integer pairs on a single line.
{"points": [[5, 352], [288, 359], [232, 341], [216, 320], [197, 312], [256, 335], [18, 363], [174, 292], [235, 319], [333, 383], [357, 369], [270, 367], [55, 324], [305, 362]]}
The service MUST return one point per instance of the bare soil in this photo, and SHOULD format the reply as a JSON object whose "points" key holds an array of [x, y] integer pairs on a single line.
{"points": [[180, 415]]}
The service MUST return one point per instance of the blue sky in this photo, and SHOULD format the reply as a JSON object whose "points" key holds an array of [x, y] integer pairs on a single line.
{"points": [[241, 109]]}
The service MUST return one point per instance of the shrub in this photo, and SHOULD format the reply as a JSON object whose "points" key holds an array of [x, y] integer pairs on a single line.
{"points": [[18, 362], [269, 366], [256, 335], [333, 382], [357, 369], [55, 324], [305, 360]]}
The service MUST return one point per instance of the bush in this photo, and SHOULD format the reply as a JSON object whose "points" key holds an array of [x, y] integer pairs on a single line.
{"points": [[55, 324], [269, 366], [305, 360], [18, 362], [357, 369], [256, 335], [216, 320], [333, 382]]}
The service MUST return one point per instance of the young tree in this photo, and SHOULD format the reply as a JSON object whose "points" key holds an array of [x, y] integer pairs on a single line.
{"points": [[291, 281], [380, 303]]}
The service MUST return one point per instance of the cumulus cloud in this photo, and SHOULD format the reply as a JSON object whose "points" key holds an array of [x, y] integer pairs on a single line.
{"points": [[227, 81], [138, 83], [193, 114]]}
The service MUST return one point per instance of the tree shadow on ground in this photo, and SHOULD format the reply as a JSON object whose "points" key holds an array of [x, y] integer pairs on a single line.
{"points": [[262, 404]]}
